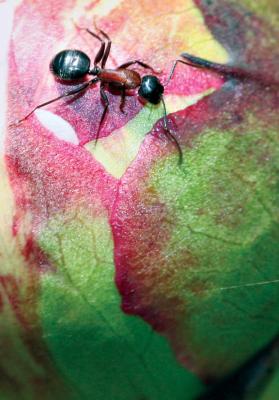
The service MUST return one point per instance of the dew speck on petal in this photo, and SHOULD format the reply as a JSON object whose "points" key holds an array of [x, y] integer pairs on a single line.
{"points": [[60, 128]]}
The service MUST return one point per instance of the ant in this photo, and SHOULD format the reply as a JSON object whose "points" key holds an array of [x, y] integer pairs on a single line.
{"points": [[72, 65]]}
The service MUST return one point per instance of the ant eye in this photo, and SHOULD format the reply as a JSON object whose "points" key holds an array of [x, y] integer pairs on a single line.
{"points": [[70, 65], [151, 89]]}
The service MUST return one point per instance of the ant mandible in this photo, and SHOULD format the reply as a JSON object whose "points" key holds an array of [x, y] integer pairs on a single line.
{"points": [[71, 65]]}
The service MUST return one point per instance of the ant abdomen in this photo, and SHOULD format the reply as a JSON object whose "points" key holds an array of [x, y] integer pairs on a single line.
{"points": [[69, 65]]}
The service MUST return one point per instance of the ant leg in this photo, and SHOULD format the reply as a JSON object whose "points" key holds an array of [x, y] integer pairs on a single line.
{"points": [[106, 104], [123, 96], [101, 51], [142, 64], [72, 92], [170, 135], [107, 51], [174, 66]]}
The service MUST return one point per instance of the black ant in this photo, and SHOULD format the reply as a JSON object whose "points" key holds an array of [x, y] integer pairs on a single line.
{"points": [[71, 65]]}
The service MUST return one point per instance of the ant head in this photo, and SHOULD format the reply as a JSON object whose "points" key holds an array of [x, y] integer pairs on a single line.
{"points": [[151, 89], [69, 65]]}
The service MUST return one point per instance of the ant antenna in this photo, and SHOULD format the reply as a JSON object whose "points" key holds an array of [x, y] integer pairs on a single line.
{"points": [[170, 135]]}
